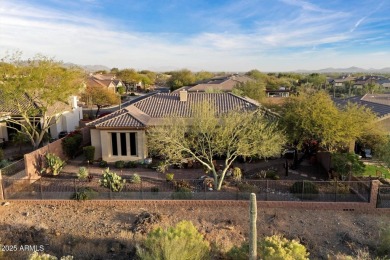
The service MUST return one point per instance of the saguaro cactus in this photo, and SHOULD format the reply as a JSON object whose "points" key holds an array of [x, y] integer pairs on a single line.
{"points": [[253, 230]]}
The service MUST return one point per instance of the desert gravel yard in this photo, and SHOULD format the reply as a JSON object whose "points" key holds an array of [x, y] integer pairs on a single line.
{"points": [[105, 230]]}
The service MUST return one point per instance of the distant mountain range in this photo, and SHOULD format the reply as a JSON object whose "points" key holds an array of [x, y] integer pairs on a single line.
{"points": [[89, 68], [93, 68], [345, 70]]}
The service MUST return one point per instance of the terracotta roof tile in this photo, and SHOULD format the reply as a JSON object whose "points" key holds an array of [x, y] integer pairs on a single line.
{"points": [[163, 105], [123, 120], [10, 109]]}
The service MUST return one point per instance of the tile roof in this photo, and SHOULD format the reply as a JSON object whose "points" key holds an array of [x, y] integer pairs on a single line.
{"points": [[123, 120], [377, 98], [164, 105], [94, 82], [104, 76], [154, 108], [381, 109], [226, 83], [120, 118], [28, 104], [10, 109]]}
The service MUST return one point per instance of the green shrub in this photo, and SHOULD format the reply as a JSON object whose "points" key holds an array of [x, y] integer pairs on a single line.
{"points": [[360, 254], [237, 174], [239, 253], [182, 184], [132, 94], [169, 176], [131, 164], [84, 194], [135, 178], [4, 163], [119, 164], [345, 163], [121, 90], [54, 164], [182, 194], [304, 187], [175, 243], [272, 175], [82, 173], [162, 167], [112, 181], [89, 153], [384, 243], [278, 247], [274, 248], [36, 256], [103, 164], [71, 143]]}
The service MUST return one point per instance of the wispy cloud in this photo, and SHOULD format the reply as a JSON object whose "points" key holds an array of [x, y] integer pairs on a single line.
{"points": [[307, 6], [237, 36], [358, 23]]}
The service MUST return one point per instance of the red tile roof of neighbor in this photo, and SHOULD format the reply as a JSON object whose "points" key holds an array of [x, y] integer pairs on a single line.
{"points": [[153, 109]]}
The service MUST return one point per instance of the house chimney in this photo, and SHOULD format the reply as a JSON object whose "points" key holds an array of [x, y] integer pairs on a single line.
{"points": [[74, 102], [183, 94]]}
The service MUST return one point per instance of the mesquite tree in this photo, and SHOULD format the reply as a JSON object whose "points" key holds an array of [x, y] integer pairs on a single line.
{"points": [[207, 135], [35, 92]]}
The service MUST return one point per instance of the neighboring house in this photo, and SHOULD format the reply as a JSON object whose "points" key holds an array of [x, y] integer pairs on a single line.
{"points": [[122, 134], [221, 84], [281, 92], [385, 84], [66, 120], [365, 80], [378, 103], [100, 76], [108, 82], [342, 82]]}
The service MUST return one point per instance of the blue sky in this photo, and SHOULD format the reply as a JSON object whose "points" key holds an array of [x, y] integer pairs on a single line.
{"points": [[269, 35]]}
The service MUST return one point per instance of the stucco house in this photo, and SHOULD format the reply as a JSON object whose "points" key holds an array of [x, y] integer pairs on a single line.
{"points": [[66, 117], [342, 82], [121, 135], [110, 83]]}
